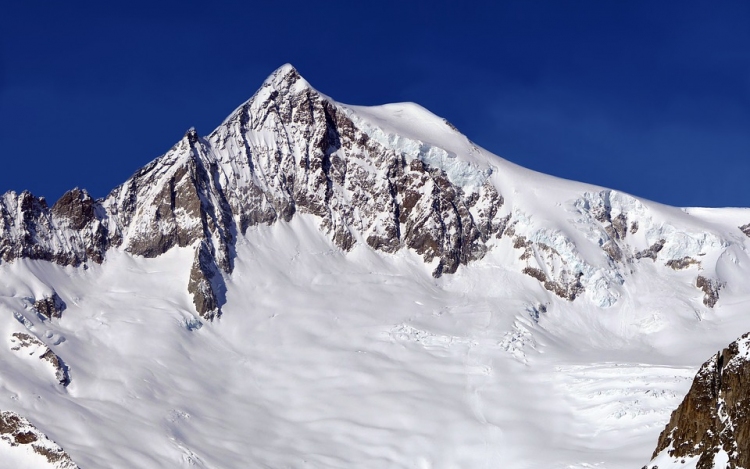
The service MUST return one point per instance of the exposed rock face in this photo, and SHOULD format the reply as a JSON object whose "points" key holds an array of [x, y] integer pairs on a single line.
{"points": [[18, 431], [714, 417], [569, 290], [652, 251], [68, 234], [83, 217], [680, 264], [22, 342], [328, 165], [745, 229], [203, 285], [50, 306], [710, 290], [174, 201]]}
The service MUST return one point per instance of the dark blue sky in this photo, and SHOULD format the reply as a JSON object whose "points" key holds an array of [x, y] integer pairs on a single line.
{"points": [[652, 98]]}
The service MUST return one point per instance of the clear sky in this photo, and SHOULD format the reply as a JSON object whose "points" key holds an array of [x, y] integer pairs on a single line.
{"points": [[652, 98]]}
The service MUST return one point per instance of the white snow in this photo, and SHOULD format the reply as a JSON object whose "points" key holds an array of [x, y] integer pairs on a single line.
{"points": [[326, 359], [415, 132], [21, 457], [721, 459]]}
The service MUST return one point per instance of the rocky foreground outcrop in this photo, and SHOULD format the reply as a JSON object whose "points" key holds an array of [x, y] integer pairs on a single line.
{"points": [[712, 424]]}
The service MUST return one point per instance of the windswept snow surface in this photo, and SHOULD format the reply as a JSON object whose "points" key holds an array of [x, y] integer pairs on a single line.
{"points": [[327, 359]]}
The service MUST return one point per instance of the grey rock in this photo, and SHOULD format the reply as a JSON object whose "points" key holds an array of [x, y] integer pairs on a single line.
{"points": [[569, 290], [652, 252], [21, 341], [50, 307], [206, 283], [289, 150], [680, 264], [710, 288]]}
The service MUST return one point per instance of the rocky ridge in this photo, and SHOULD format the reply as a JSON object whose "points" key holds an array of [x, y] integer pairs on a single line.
{"points": [[711, 424], [24, 343], [291, 150]]}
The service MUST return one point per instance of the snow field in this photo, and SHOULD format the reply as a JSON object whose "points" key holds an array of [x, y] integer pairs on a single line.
{"points": [[325, 359]]}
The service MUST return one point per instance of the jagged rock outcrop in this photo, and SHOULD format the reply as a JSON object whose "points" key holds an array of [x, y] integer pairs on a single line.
{"points": [[683, 263], [49, 307], [19, 432], [713, 421], [174, 201], [652, 252], [569, 290], [69, 233], [204, 284], [83, 219], [710, 289], [745, 229], [22, 342]]}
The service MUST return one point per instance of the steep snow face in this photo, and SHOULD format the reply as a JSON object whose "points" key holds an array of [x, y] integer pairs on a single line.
{"points": [[416, 133]]}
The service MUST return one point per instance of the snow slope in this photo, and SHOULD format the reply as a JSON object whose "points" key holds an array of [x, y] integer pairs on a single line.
{"points": [[326, 359], [331, 357]]}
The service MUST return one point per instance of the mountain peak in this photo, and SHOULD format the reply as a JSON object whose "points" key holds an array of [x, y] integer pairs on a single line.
{"points": [[286, 78], [191, 135], [285, 81]]}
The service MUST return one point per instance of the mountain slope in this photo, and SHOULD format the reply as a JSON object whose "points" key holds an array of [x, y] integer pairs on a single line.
{"points": [[381, 293]]}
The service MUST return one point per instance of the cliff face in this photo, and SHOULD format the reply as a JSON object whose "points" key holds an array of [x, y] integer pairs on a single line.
{"points": [[712, 424]]}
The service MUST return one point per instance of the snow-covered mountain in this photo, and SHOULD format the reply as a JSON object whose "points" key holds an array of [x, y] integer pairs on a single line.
{"points": [[316, 284]]}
